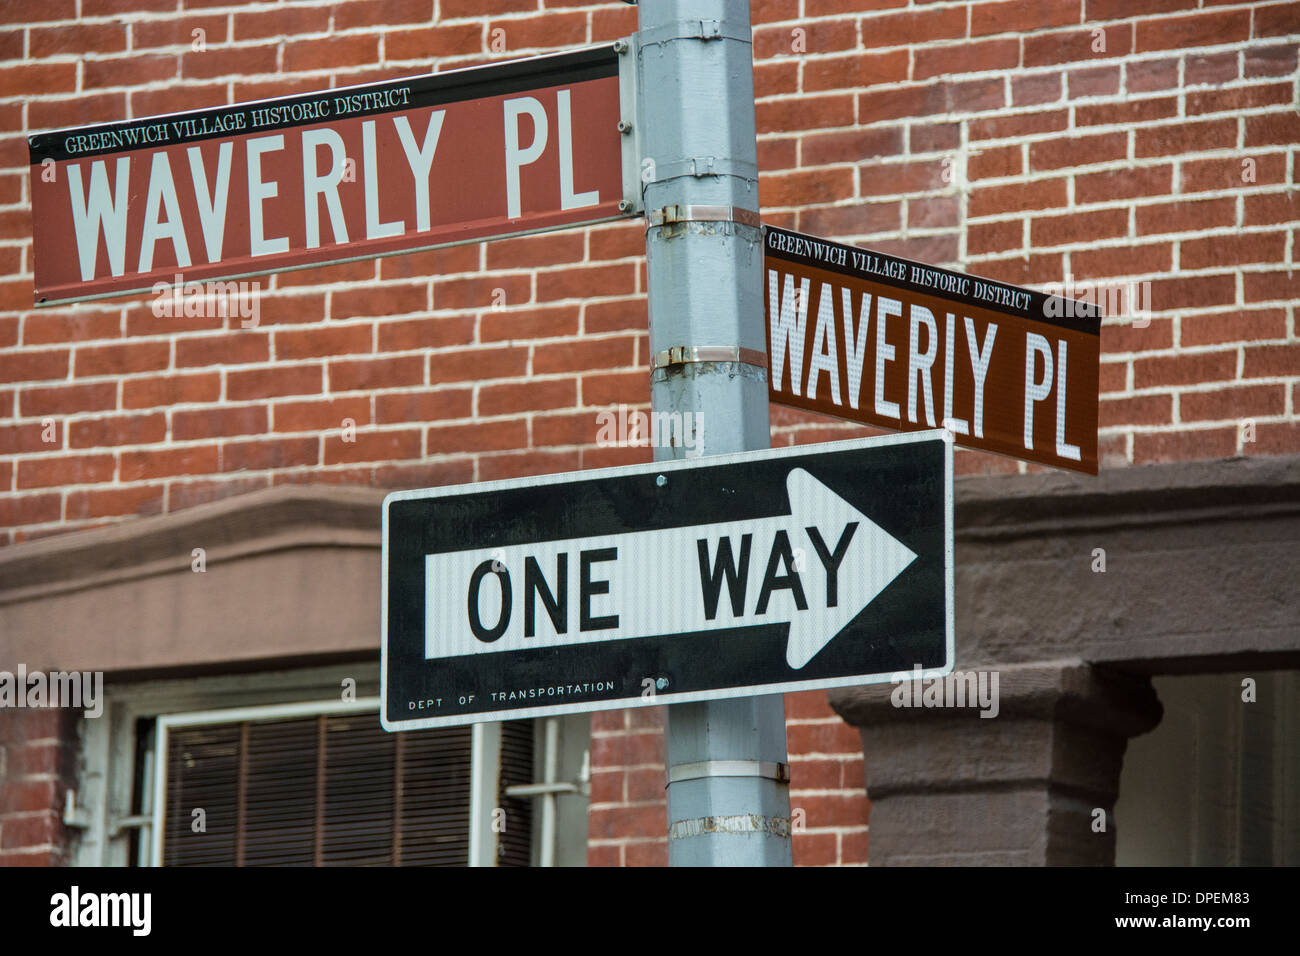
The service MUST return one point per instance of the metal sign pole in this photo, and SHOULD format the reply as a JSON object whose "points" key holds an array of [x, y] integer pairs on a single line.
{"points": [[728, 782]]}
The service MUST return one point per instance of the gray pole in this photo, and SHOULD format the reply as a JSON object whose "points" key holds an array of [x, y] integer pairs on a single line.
{"points": [[728, 790]]}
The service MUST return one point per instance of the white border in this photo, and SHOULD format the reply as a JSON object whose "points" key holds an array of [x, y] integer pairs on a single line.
{"points": [[661, 467]]}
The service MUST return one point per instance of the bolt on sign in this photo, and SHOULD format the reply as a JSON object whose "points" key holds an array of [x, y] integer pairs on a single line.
{"points": [[354, 173], [754, 573], [885, 341]]}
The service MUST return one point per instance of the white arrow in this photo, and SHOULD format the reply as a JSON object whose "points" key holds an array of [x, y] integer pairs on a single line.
{"points": [[816, 568]]}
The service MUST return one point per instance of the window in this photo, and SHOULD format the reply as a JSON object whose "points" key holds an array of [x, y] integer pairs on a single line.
{"points": [[253, 780]]}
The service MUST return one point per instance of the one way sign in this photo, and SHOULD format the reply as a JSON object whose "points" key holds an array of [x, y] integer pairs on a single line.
{"points": [[763, 572]]}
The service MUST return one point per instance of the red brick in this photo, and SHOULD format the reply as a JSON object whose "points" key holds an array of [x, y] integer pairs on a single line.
{"points": [[1276, 19], [319, 415], [583, 282], [239, 61], [1128, 336], [1232, 172], [362, 270], [1077, 150], [615, 316], [815, 849], [1023, 270], [425, 474], [1078, 227], [1035, 88], [1270, 61], [352, 375], [1235, 249], [610, 822], [1237, 99], [995, 161], [815, 37], [1128, 112], [877, 179], [546, 30], [1016, 197], [630, 388], [1232, 403], [1186, 216], [233, 349], [536, 323], [1019, 124], [1140, 410], [31, 831], [280, 22], [854, 70], [477, 364], [423, 406], [36, 79], [46, 472], [18, 510], [850, 146], [134, 70], [65, 399], [372, 446], [146, 464], [120, 359], [156, 32], [647, 852], [329, 53], [1148, 76], [1274, 438], [583, 354], [532, 251], [517, 397], [432, 262], [1192, 368], [1111, 261], [1022, 16], [1123, 184], [323, 341], [1266, 361], [49, 10], [1269, 208], [1185, 137], [267, 453], [117, 430], [597, 855], [833, 810], [219, 422], [968, 57], [436, 41], [242, 385], [1193, 292], [1201, 444], [858, 219], [1233, 326], [1281, 128], [379, 300], [1095, 81], [480, 436], [115, 502], [914, 27], [17, 439], [1077, 46], [187, 494], [50, 328], [33, 366], [1205, 29], [422, 333], [986, 237], [811, 113], [832, 738]]}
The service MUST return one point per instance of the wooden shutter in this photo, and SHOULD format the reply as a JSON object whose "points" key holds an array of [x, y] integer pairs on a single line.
{"points": [[333, 790]]}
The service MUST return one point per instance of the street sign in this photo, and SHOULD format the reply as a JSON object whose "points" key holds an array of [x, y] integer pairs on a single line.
{"points": [[889, 342], [352, 173], [696, 579]]}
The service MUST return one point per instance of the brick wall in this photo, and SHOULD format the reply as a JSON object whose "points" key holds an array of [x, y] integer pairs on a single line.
{"points": [[1025, 140], [37, 761]]}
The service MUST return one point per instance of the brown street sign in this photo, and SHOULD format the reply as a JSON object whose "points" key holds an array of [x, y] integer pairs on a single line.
{"points": [[366, 171], [889, 342]]}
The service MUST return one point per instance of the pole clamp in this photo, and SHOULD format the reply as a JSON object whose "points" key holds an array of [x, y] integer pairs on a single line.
{"points": [[780, 772], [685, 354], [672, 215]]}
